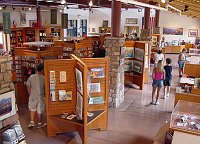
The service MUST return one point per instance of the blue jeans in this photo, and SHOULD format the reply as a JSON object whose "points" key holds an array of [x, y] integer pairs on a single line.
{"points": [[157, 83]]}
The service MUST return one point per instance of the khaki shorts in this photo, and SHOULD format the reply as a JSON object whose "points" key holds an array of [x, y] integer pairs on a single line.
{"points": [[37, 105]]}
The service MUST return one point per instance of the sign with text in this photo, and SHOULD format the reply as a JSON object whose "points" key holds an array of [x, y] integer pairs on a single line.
{"points": [[53, 16], [64, 21], [6, 23]]}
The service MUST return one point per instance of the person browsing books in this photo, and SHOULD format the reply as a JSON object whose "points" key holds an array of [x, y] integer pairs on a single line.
{"points": [[36, 91], [158, 77], [168, 77]]}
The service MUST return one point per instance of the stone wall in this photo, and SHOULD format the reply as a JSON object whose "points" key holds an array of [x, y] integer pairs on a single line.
{"points": [[116, 81]]}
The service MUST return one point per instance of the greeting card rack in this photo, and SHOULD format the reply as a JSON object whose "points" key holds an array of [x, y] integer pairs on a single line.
{"points": [[55, 108], [136, 65]]}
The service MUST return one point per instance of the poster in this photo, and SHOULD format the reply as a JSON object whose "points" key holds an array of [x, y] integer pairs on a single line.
{"points": [[79, 81], [22, 18], [65, 21], [6, 23], [53, 16]]}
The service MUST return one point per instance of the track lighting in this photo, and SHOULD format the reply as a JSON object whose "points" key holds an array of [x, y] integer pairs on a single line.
{"points": [[63, 2], [4, 8], [13, 7]]}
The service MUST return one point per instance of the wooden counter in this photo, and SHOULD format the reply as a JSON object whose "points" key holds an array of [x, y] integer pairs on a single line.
{"points": [[192, 69], [174, 49], [188, 46]]}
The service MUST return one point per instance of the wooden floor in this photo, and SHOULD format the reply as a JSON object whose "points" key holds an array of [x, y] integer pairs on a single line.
{"points": [[134, 122]]}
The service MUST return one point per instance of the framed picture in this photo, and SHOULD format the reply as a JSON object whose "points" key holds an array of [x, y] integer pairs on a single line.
{"points": [[22, 18], [172, 31], [7, 102], [131, 20], [193, 33], [33, 23], [79, 81], [105, 23]]}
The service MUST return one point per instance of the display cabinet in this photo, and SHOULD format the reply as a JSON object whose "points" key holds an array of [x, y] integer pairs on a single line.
{"points": [[186, 117], [76, 95], [136, 65]]}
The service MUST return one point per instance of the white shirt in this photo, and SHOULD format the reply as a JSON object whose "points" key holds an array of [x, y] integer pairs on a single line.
{"points": [[159, 57]]}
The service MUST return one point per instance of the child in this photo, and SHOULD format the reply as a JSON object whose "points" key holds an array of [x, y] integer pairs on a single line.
{"points": [[181, 62], [159, 56], [168, 77], [157, 76]]}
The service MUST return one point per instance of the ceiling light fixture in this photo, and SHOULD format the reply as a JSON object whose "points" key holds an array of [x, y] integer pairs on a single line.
{"points": [[142, 4], [49, 0], [63, 2], [13, 7], [163, 1], [0, 8], [90, 3], [30, 8]]}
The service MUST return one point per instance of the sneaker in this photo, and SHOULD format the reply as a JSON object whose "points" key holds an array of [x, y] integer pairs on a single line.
{"points": [[152, 103], [41, 125], [167, 94], [157, 103], [31, 124]]}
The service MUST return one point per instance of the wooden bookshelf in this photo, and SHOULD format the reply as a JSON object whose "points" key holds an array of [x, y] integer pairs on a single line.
{"points": [[54, 109]]}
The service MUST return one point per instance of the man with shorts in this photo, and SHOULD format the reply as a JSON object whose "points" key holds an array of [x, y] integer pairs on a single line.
{"points": [[36, 91]]}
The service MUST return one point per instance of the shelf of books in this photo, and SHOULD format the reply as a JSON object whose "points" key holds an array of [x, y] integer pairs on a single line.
{"points": [[76, 95], [136, 64]]}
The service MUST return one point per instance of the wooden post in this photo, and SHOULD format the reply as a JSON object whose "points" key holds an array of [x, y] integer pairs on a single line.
{"points": [[147, 18], [116, 18], [157, 17]]}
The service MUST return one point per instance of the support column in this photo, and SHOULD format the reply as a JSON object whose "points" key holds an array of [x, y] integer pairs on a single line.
{"points": [[116, 18], [147, 18], [38, 10], [156, 29], [145, 34], [157, 18], [116, 81]]}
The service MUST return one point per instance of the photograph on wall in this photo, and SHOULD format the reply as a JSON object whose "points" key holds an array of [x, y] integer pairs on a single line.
{"points": [[79, 106], [105, 23], [97, 72], [128, 65], [33, 23], [95, 87], [172, 31], [137, 67], [69, 95], [79, 81], [22, 18], [129, 52], [193, 33], [7, 103], [154, 40], [139, 53]]}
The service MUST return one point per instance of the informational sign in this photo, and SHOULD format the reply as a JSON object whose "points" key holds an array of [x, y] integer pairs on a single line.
{"points": [[6, 23], [53, 16], [64, 21]]}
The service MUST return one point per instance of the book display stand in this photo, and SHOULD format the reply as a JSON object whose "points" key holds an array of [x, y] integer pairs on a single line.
{"points": [[136, 65], [76, 95]]}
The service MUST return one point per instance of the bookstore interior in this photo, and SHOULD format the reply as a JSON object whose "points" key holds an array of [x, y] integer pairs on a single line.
{"points": [[95, 54]]}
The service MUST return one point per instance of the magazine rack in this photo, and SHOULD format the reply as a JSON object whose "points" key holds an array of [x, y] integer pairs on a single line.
{"points": [[137, 62], [56, 108]]}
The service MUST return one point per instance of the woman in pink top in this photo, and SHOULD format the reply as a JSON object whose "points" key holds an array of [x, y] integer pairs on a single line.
{"points": [[158, 77]]}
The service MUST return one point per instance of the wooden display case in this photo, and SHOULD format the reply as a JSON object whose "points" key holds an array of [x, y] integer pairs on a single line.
{"points": [[55, 107], [137, 64], [192, 70]]}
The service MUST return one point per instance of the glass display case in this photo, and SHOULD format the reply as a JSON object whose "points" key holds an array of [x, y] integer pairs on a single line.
{"points": [[186, 117]]}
